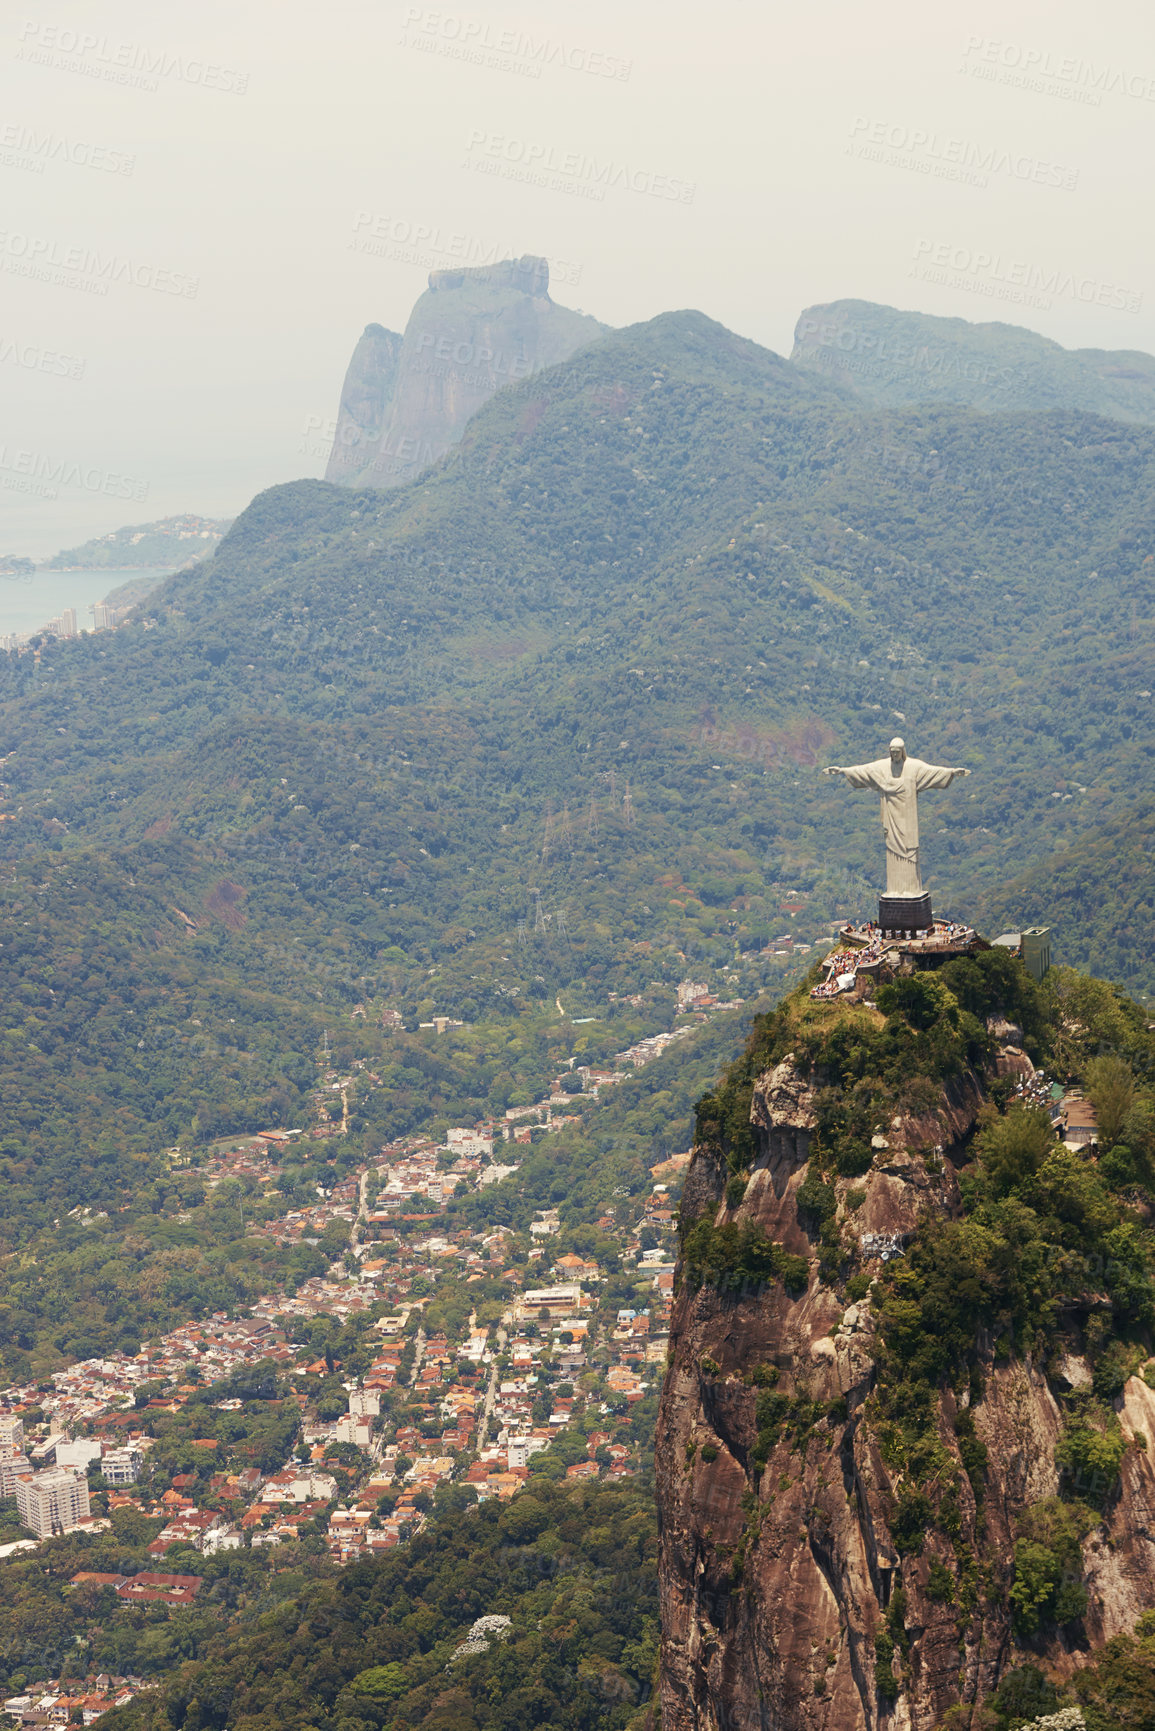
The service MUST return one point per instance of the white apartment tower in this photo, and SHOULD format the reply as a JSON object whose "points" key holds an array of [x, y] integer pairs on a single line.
{"points": [[55, 1501]]}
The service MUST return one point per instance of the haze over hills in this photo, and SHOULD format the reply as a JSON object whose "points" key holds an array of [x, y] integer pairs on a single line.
{"points": [[549, 722], [903, 358], [679, 560], [406, 400], [170, 541]]}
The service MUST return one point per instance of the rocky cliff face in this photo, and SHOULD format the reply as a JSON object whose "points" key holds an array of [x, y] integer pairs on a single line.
{"points": [[365, 399], [788, 1565], [406, 400]]}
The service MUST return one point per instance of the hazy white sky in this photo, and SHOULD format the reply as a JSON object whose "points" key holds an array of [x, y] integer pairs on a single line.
{"points": [[204, 205]]}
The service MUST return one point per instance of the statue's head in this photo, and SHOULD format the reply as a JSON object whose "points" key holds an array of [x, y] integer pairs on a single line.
{"points": [[897, 755]]}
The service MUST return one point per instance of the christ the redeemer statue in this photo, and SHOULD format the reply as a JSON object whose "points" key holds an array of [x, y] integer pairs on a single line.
{"points": [[899, 780]]}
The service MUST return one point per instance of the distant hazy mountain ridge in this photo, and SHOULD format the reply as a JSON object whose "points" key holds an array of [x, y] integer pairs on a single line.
{"points": [[903, 358], [406, 400], [170, 542]]}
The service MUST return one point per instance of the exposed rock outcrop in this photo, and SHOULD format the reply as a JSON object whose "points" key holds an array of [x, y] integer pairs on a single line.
{"points": [[779, 1555], [365, 399], [406, 400]]}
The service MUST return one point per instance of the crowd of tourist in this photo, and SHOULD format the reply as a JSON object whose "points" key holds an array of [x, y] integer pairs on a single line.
{"points": [[868, 945]]}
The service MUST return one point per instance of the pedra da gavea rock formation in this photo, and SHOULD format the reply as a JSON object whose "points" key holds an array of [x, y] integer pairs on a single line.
{"points": [[407, 399]]}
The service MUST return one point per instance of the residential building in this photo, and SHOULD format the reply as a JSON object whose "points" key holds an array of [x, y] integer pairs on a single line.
{"points": [[350, 1429], [55, 1501], [64, 625], [44, 1451], [121, 1466], [11, 1438], [519, 1449], [468, 1142], [11, 1467], [558, 1300], [313, 1486]]}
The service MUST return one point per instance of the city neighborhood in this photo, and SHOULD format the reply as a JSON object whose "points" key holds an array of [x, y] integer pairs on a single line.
{"points": [[360, 1454]]}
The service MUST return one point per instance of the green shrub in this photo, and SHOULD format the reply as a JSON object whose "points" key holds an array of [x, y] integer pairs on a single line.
{"points": [[996, 983], [733, 1257], [972, 1452], [885, 1680], [709, 1452], [1047, 1586], [777, 1415], [1111, 1371], [816, 1199], [854, 1158], [855, 1199], [1024, 1695], [795, 1271], [921, 999], [1090, 1455], [908, 1525], [1119, 1167], [735, 1190], [770, 1414], [1038, 1574], [1111, 1090], [940, 1584], [1014, 1147], [1116, 1688]]}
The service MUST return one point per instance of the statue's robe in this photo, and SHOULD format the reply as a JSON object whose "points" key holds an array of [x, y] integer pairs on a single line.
{"points": [[899, 799]]}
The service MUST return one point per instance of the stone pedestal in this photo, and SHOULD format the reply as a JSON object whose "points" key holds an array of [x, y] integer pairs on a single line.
{"points": [[905, 916]]}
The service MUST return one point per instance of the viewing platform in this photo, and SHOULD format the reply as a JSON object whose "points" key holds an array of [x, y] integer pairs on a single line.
{"points": [[864, 950], [948, 937]]}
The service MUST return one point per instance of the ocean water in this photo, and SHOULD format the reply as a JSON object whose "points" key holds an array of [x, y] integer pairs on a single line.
{"points": [[27, 605]]}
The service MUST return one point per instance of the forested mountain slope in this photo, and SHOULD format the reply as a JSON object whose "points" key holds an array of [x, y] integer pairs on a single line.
{"points": [[550, 719], [901, 357], [1100, 896]]}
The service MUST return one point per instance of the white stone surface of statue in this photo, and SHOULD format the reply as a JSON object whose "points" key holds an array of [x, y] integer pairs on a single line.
{"points": [[898, 780]]}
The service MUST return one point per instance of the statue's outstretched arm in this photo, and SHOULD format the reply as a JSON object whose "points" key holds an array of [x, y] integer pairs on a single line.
{"points": [[833, 769]]}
